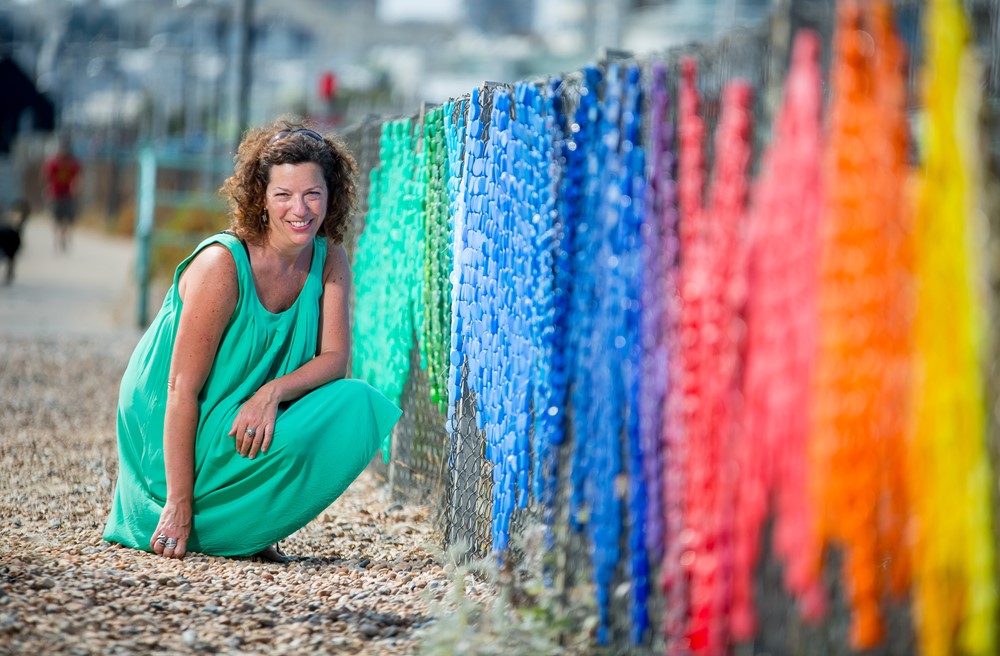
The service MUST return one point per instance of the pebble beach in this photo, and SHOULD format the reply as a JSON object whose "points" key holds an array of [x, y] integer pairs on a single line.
{"points": [[364, 577]]}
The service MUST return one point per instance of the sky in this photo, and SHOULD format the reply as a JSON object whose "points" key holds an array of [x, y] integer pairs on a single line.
{"points": [[424, 10]]}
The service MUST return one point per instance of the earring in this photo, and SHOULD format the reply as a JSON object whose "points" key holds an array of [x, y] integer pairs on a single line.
{"points": [[263, 218]]}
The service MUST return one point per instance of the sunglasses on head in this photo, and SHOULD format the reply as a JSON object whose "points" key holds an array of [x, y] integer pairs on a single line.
{"points": [[307, 132]]}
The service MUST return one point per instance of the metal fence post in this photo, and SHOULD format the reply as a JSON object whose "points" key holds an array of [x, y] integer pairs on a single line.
{"points": [[144, 230]]}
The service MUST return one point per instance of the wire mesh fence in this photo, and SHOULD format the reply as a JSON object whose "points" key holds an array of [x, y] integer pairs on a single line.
{"points": [[451, 472]]}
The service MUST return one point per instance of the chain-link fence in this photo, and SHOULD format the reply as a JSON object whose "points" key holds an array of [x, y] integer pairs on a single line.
{"points": [[451, 472]]}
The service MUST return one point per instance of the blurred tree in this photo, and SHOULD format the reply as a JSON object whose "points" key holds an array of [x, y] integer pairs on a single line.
{"points": [[21, 105]]}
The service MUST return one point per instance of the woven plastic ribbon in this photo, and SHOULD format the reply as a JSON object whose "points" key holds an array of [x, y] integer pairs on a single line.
{"points": [[955, 551], [433, 178], [388, 268], [782, 236], [712, 285], [857, 448]]}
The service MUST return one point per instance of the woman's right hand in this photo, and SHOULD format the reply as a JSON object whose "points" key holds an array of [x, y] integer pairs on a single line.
{"points": [[171, 534]]}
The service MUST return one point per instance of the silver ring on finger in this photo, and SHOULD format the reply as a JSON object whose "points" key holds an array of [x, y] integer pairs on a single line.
{"points": [[161, 538], [171, 543], [251, 432]]}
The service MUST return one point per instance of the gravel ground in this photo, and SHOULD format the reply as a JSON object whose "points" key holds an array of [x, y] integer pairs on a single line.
{"points": [[364, 577]]}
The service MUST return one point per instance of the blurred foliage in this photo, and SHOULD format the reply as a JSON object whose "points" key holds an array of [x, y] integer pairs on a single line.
{"points": [[524, 615], [121, 224], [182, 230]]}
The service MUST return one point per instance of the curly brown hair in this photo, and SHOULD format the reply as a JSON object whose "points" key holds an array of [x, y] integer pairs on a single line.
{"points": [[260, 150]]}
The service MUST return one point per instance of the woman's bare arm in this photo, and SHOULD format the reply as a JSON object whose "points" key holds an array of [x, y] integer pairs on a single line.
{"points": [[209, 290]]}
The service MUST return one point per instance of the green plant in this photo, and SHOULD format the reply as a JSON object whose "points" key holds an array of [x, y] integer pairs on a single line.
{"points": [[519, 614], [175, 239]]}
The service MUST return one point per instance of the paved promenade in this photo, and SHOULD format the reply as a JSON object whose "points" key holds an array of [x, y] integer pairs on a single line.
{"points": [[87, 290]]}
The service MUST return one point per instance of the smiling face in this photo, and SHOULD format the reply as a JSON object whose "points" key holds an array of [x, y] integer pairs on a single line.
{"points": [[295, 200]]}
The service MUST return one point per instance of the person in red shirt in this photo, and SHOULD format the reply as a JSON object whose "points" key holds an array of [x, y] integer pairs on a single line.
{"points": [[61, 173]]}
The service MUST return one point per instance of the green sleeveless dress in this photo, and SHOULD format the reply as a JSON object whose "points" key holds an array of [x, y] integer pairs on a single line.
{"points": [[322, 441]]}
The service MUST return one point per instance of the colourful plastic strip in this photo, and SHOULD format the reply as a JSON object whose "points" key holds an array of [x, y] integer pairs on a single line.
{"points": [[388, 268], [712, 286], [433, 167], [782, 244], [862, 366], [955, 564]]}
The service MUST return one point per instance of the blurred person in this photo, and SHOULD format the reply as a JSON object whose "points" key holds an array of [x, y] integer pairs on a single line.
{"points": [[236, 422], [61, 173]]}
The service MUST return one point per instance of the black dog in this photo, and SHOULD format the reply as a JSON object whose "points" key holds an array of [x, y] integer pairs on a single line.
{"points": [[10, 235]]}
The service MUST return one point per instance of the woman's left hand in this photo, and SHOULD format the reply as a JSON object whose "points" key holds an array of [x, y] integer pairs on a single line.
{"points": [[253, 427]]}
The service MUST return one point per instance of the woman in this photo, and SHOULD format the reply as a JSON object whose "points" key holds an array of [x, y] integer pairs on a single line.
{"points": [[236, 425]]}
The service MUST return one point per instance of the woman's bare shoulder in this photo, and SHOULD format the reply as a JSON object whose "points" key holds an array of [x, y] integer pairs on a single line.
{"points": [[213, 268], [337, 264]]}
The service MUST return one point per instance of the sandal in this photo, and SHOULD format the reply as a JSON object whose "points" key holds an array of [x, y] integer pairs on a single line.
{"points": [[273, 554]]}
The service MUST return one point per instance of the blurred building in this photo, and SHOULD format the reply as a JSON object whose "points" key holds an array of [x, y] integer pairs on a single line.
{"points": [[168, 70], [498, 18]]}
